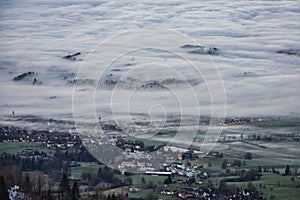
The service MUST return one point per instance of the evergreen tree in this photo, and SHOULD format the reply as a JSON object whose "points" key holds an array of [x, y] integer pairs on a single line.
{"points": [[3, 189], [143, 180], [65, 187], [27, 184], [248, 156], [224, 164], [168, 180], [287, 170], [113, 196], [260, 169], [49, 196], [75, 195]]}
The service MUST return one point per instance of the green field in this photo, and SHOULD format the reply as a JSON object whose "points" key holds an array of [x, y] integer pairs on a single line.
{"points": [[16, 147], [281, 123], [281, 187], [84, 167], [156, 180]]}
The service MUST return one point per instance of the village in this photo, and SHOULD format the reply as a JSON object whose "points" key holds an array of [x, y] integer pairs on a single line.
{"points": [[218, 175]]}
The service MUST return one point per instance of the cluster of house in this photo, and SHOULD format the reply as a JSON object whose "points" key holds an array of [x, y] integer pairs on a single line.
{"points": [[167, 192], [183, 169], [246, 120], [135, 146], [50, 140], [31, 153], [140, 165], [205, 193], [237, 121]]}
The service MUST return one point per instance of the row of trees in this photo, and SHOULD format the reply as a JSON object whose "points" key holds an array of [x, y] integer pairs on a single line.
{"points": [[33, 185], [104, 175], [36, 186], [68, 193]]}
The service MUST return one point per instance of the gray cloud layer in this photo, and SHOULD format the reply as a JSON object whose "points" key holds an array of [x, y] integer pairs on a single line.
{"points": [[34, 35]]}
